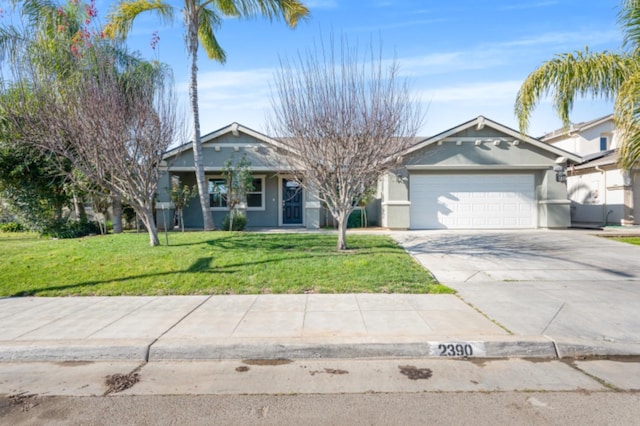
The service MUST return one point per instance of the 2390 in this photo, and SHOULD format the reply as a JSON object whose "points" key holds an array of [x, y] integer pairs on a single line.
{"points": [[455, 349]]}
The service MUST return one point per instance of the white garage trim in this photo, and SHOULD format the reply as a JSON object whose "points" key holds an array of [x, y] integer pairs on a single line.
{"points": [[472, 201]]}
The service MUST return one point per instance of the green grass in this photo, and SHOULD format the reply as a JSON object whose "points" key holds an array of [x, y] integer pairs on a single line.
{"points": [[629, 240], [207, 263]]}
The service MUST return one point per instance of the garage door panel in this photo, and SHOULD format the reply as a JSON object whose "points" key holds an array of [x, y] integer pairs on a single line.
{"points": [[472, 201]]}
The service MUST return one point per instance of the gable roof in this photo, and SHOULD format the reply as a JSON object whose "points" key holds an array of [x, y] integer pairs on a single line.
{"points": [[480, 122], [234, 129], [576, 128]]}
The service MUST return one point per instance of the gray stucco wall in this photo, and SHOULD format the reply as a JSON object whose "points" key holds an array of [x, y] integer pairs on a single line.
{"points": [[505, 154], [264, 163], [259, 154], [468, 157], [255, 218]]}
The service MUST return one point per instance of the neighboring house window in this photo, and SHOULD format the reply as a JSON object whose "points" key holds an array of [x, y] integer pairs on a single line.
{"points": [[217, 193], [603, 143], [255, 198]]}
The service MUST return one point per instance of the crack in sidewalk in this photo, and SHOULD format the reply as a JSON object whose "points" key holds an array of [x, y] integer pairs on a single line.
{"points": [[551, 320], [146, 356]]}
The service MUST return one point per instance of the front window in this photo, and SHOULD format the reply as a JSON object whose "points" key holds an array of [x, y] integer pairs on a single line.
{"points": [[255, 197], [218, 193]]}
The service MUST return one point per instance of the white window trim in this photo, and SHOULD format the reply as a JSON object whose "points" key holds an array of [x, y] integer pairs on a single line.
{"points": [[217, 209], [263, 207], [264, 190]]}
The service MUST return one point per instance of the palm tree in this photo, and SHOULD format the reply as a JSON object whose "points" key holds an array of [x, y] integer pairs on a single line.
{"points": [[201, 18], [609, 75]]}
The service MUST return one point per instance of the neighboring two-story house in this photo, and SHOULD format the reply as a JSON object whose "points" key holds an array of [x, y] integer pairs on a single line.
{"points": [[600, 192]]}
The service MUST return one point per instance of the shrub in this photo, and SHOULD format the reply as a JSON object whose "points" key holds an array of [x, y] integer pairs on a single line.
{"points": [[63, 228], [239, 222], [355, 219], [11, 227]]}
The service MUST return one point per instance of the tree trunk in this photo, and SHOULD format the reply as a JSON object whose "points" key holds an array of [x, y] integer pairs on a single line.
{"points": [[203, 187], [78, 206], [342, 232], [117, 215], [146, 215]]}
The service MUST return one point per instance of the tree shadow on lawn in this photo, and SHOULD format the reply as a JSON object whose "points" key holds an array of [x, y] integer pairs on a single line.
{"points": [[244, 241], [201, 265], [296, 242]]}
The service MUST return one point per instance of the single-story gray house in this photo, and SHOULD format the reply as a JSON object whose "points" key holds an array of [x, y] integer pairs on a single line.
{"points": [[478, 175]]}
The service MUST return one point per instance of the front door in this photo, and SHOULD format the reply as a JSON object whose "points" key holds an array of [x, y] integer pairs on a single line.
{"points": [[291, 202]]}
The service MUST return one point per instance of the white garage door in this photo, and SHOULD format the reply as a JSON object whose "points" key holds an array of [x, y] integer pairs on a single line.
{"points": [[472, 201]]}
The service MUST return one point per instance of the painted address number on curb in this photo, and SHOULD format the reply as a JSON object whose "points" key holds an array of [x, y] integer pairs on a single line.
{"points": [[457, 349]]}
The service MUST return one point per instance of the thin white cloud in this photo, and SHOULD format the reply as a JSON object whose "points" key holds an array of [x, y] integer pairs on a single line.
{"points": [[473, 93], [400, 24], [443, 63], [532, 5], [321, 4], [232, 80], [587, 37], [491, 55]]}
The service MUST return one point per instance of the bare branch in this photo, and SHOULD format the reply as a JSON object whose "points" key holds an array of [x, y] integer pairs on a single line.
{"points": [[346, 117], [112, 123]]}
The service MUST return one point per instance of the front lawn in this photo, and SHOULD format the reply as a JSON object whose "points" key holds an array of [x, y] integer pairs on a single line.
{"points": [[207, 263], [629, 240]]}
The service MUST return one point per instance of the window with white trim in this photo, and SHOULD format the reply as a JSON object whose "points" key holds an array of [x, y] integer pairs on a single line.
{"points": [[604, 143], [255, 197], [218, 193]]}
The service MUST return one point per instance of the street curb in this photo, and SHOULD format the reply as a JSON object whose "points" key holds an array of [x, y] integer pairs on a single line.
{"points": [[544, 347], [66, 350], [191, 350], [574, 348]]}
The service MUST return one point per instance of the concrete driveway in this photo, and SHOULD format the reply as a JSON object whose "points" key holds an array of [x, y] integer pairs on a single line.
{"points": [[569, 285]]}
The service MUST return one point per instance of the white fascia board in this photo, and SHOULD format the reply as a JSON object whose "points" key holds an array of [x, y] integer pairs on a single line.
{"points": [[232, 128], [560, 132], [481, 167], [441, 136], [500, 128], [219, 169]]}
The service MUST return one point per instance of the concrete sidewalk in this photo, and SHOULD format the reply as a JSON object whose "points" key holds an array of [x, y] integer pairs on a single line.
{"points": [[254, 326]]}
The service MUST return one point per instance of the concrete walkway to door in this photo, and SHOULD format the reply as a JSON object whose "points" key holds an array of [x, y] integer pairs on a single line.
{"points": [[569, 285]]}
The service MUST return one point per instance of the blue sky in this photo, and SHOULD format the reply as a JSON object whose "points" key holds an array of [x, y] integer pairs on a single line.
{"points": [[465, 57]]}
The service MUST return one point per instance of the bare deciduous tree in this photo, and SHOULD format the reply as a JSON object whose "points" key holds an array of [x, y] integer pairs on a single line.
{"points": [[346, 117], [113, 122]]}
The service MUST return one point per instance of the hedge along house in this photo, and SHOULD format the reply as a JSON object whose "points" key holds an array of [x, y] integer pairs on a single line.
{"points": [[277, 200], [479, 175]]}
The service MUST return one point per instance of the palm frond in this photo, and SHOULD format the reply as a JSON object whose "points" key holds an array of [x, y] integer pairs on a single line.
{"points": [[572, 75], [292, 11], [208, 21], [121, 18], [38, 11], [12, 42], [629, 20], [627, 116]]}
